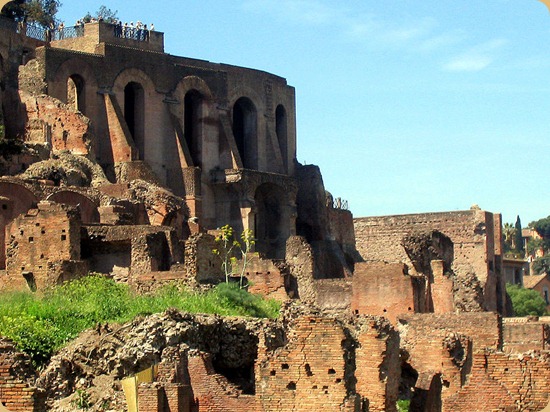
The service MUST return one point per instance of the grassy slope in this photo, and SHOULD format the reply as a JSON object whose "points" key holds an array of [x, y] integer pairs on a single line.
{"points": [[41, 324]]}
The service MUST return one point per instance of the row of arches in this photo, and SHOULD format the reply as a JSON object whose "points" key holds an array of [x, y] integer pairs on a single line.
{"points": [[135, 90]]}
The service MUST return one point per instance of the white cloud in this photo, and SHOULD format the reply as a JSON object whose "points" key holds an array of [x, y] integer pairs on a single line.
{"points": [[476, 58], [468, 63], [440, 41]]}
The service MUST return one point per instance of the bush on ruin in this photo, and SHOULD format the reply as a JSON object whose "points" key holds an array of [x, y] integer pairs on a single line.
{"points": [[229, 248]]}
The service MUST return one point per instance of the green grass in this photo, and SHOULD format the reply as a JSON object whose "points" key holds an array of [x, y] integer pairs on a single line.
{"points": [[42, 324]]}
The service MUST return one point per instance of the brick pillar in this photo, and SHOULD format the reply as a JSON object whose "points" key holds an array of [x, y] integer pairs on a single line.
{"points": [[178, 397], [151, 398]]}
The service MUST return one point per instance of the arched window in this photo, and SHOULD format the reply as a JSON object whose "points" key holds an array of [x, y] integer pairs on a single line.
{"points": [[193, 113], [134, 113], [281, 128], [75, 92], [245, 127], [545, 295]]}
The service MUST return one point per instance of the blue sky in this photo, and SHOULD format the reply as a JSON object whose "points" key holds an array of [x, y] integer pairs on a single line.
{"points": [[407, 106]]}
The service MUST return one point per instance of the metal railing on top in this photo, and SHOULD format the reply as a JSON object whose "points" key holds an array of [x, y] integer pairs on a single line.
{"points": [[68, 33]]}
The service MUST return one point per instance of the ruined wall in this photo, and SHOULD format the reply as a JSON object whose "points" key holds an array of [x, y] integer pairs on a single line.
{"points": [[51, 122], [446, 343], [300, 260], [473, 234], [334, 294], [524, 334], [38, 245], [504, 382], [130, 250], [377, 364], [200, 262], [16, 393], [307, 374], [265, 278], [212, 392], [386, 290]]}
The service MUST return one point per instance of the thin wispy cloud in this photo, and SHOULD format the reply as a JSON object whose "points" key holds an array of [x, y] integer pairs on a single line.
{"points": [[378, 33], [440, 41], [366, 28], [476, 58]]}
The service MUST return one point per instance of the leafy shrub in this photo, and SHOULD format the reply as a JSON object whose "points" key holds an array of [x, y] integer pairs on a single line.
{"points": [[41, 324], [541, 265], [403, 405], [526, 302]]}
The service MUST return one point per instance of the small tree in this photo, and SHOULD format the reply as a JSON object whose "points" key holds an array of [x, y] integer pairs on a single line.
{"points": [[42, 12], [229, 248], [103, 13], [526, 302], [518, 236], [542, 226], [541, 265]]}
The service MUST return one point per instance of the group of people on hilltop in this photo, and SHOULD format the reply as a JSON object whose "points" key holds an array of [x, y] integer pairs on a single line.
{"points": [[139, 31]]}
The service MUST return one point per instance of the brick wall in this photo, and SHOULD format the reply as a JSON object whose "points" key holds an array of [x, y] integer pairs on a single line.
{"points": [[445, 343], [377, 365], [201, 264], [212, 392], [472, 232], [265, 278], [385, 290], [308, 373], [504, 382], [524, 334], [299, 257], [38, 243], [334, 294], [143, 248], [51, 121], [15, 392]]}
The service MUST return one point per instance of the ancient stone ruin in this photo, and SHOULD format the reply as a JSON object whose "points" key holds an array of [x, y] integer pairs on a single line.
{"points": [[132, 158]]}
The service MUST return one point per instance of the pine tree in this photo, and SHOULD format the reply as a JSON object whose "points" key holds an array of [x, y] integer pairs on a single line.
{"points": [[519, 237]]}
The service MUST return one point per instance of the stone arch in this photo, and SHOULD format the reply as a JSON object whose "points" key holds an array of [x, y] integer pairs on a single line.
{"points": [[281, 130], [193, 104], [245, 130], [134, 114], [134, 90], [75, 92], [258, 144], [88, 208], [15, 199], [23, 199], [271, 223], [75, 84]]}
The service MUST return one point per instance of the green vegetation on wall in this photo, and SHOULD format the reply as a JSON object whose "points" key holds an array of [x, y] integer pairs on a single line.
{"points": [[40, 325]]}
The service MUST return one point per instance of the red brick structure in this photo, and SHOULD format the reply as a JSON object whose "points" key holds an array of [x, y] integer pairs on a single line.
{"points": [[43, 248], [476, 257], [16, 394], [502, 382]]}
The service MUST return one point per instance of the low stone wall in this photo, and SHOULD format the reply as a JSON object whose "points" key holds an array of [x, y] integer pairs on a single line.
{"points": [[524, 334], [502, 382]]}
